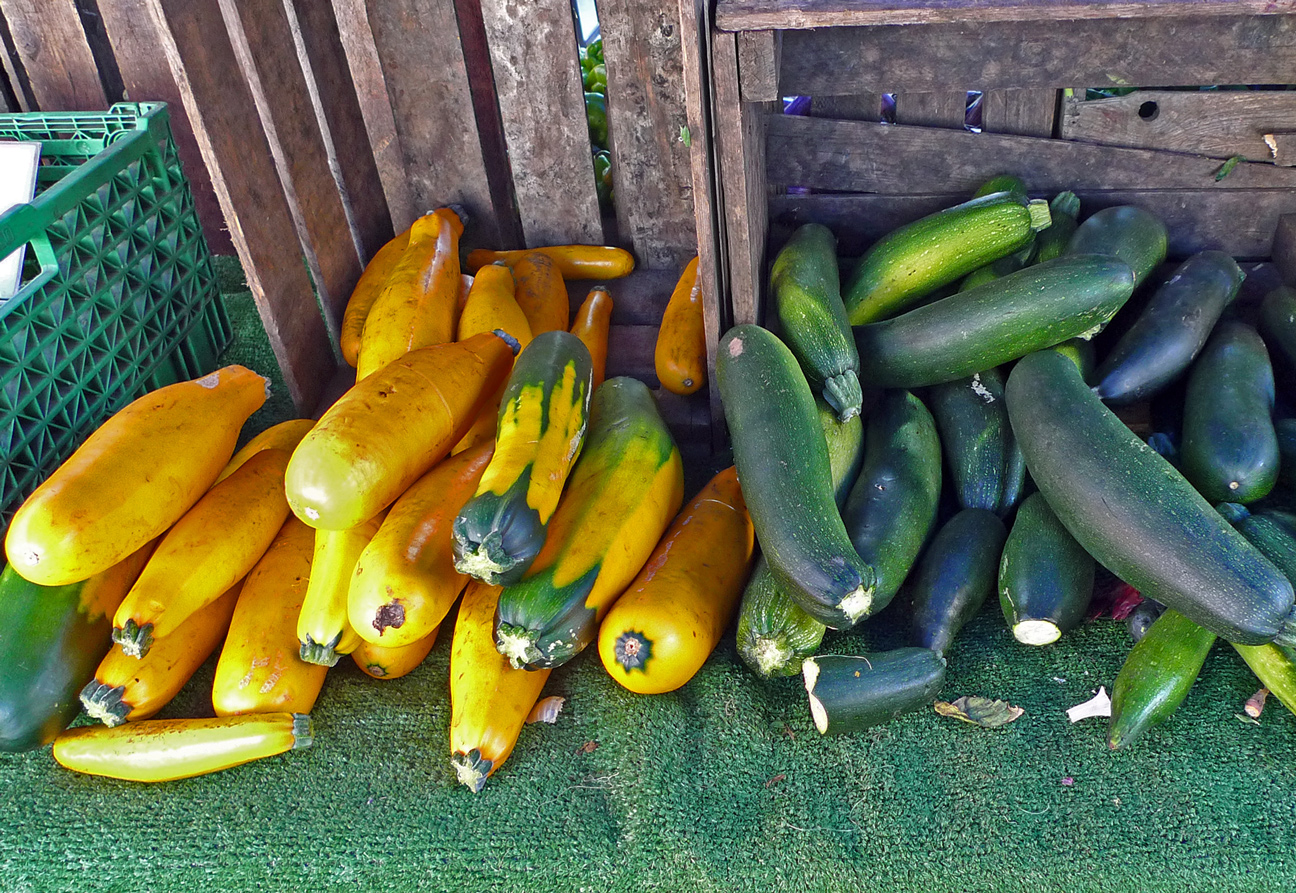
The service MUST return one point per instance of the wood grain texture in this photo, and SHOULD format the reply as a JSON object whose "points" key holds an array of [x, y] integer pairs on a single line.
{"points": [[192, 35], [1206, 50], [759, 56], [542, 106], [1025, 112], [1283, 147], [749, 15], [856, 156], [1241, 221], [1216, 123], [637, 300], [52, 47], [18, 96], [947, 108], [857, 107]]}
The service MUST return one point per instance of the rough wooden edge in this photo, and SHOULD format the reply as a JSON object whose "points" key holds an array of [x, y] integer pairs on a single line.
{"points": [[945, 108], [16, 78], [759, 56], [51, 44], [1282, 146], [1030, 111]]}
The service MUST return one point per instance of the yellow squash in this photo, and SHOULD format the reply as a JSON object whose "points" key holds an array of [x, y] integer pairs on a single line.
{"points": [[171, 749], [393, 662], [283, 436], [573, 261], [680, 356], [366, 291], [661, 631], [127, 689], [405, 581], [591, 326], [132, 478], [210, 549], [390, 428], [322, 625], [489, 700], [491, 305], [541, 293], [259, 670], [416, 307]]}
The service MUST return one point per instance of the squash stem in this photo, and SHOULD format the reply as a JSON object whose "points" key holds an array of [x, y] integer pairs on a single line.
{"points": [[633, 651], [322, 653], [842, 392], [1040, 218], [518, 644], [770, 656], [135, 640], [302, 731], [104, 702], [471, 769]]}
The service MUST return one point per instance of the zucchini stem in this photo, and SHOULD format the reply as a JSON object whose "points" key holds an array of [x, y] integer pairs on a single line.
{"points": [[104, 702], [518, 644], [471, 769], [633, 651], [135, 640], [1040, 218], [769, 656], [842, 392], [322, 653], [302, 731]]}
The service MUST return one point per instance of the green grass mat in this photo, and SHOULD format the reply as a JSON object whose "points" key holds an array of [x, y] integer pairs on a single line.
{"points": [[721, 786]]}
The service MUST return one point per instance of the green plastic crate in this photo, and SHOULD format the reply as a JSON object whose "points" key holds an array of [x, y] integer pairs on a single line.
{"points": [[118, 294]]}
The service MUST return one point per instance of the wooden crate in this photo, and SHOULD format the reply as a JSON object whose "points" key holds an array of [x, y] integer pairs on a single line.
{"points": [[312, 131], [1031, 64]]}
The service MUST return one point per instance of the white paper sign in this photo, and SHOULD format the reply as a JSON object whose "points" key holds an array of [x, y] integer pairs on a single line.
{"points": [[18, 162]]}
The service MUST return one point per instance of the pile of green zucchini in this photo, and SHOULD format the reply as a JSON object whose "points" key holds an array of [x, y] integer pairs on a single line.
{"points": [[942, 426]]}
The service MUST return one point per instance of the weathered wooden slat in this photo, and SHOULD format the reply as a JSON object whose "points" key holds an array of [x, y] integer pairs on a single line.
{"points": [[750, 15], [1240, 222], [759, 56], [690, 424], [1219, 124], [52, 47], [146, 76], [1283, 147], [859, 107], [646, 111], [1158, 52], [1025, 112], [630, 352], [637, 300], [855, 156], [940, 109], [542, 105], [192, 35], [345, 135]]}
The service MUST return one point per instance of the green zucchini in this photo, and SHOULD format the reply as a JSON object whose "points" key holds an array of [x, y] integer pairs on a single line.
{"points": [[1079, 351], [984, 462], [1156, 676], [1230, 449], [853, 693], [1046, 578], [774, 633], [1134, 513], [955, 576], [937, 250], [1002, 267], [1171, 330], [1275, 667], [782, 461], [1052, 242], [1278, 326], [1272, 532], [1000, 321], [892, 507], [1002, 183], [1125, 232], [812, 318]]}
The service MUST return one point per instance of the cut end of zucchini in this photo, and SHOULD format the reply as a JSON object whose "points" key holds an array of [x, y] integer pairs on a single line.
{"points": [[857, 604], [104, 703], [518, 645], [1036, 632], [302, 731], [810, 672], [769, 657], [471, 769], [322, 653], [135, 640], [1040, 217], [842, 392]]}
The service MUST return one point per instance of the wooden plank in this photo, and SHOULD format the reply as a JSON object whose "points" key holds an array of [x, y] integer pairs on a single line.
{"points": [[542, 105], [630, 352], [1025, 112], [759, 56], [1207, 50], [357, 38], [1241, 222], [939, 109], [646, 111], [751, 15], [856, 156], [192, 35], [1283, 147], [427, 87], [637, 300], [343, 125], [52, 47], [147, 76], [859, 107], [19, 88], [1214, 123]]}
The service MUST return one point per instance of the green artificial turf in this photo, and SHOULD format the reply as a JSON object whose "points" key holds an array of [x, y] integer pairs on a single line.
{"points": [[722, 786]]}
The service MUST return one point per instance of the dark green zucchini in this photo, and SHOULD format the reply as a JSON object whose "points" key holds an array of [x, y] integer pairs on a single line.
{"points": [[1052, 242], [1230, 448], [939, 249], [853, 693], [1080, 352], [812, 318], [955, 576], [782, 461], [1134, 513], [1046, 578], [1002, 183], [1285, 431], [1275, 667], [1171, 330], [1125, 232], [984, 463], [1156, 676], [1278, 326], [1000, 321], [1272, 532]]}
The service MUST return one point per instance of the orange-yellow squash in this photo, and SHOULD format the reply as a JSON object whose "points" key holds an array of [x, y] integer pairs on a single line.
{"points": [[366, 291], [283, 436], [661, 631], [491, 305], [573, 261], [210, 549], [322, 625], [126, 688], [416, 307], [541, 292], [591, 326], [393, 662], [132, 478], [489, 700], [259, 670], [384, 433], [680, 356]]}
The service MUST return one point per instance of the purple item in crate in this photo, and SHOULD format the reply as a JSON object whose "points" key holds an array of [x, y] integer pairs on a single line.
{"points": [[796, 105]]}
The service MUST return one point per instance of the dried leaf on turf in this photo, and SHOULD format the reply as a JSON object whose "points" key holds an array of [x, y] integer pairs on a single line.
{"points": [[985, 712]]}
